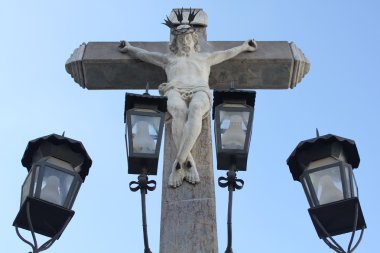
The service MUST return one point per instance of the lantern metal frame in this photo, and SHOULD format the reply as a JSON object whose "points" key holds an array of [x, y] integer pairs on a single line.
{"points": [[341, 215], [55, 215], [135, 105], [331, 214], [39, 215], [309, 188], [42, 212], [223, 98], [42, 166]]}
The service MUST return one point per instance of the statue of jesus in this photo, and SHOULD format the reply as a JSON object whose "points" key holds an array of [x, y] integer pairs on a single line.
{"points": [[189, 96]]}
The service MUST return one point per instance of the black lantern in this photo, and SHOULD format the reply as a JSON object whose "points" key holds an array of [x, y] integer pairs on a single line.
{"points": [[144, 118], [324, 166], [233, 116], [57, 168], [144, 121]]}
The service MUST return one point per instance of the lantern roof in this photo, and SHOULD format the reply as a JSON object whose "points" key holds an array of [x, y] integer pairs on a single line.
{"points": [[321, 143], [55, 139], [131, 100], [221, 96]]}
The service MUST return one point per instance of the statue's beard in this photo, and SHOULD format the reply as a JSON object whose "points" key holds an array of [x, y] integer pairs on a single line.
{"points": [[184, 50]]}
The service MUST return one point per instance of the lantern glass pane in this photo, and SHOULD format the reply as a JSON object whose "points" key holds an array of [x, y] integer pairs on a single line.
{"points": [[55, 185], [76, 185], [145, 130], [307, 190], [36, 176], [355, 186], [350, 181], [347, 179], [233, 129], [327, 185], [26, 187]]}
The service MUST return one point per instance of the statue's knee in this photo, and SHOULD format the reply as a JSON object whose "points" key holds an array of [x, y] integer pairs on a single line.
{"points": [[197, 110], [178, 112]]}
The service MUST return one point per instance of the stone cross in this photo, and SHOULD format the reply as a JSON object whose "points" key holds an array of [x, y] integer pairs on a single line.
{"points": [[188, 213]]}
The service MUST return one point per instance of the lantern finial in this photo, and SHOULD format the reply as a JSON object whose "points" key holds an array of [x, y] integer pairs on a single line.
{"points": [[232, 85], [147, 89]]}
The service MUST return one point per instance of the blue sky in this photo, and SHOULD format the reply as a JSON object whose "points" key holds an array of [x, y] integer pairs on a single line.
{"points": [[339, 96]]}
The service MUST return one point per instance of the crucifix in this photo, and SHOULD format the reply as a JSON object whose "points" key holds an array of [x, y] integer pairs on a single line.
{"points": [[184, 69]]}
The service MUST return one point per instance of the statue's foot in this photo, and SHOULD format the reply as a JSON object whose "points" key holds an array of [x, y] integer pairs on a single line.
{"points": [[191, 173], [177, 175]]}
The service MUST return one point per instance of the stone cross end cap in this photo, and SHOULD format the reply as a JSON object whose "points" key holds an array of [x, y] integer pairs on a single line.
{"points": [[301, 65], [60, 147], [321, 147], [200, 19]]}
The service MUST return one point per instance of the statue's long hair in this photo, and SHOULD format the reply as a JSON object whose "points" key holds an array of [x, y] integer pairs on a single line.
{"points": [[174, 48]]}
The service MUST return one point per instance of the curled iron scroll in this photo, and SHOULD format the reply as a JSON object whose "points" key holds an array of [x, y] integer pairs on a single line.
{"points": [[142, 185], [232, 182]]}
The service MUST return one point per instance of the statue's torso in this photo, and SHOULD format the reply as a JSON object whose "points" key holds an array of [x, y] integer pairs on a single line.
{"points": [[188, 71]]}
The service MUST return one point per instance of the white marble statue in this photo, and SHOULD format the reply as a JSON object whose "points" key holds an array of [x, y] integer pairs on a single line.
{"points": [[189, 99]]}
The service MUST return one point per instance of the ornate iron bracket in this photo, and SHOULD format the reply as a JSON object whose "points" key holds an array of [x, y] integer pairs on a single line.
{"points": [[142, 184], [231, 181]]}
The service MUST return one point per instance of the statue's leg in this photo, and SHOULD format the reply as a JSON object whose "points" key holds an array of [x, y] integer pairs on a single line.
{"points": [[178, 110], [199, 105]]}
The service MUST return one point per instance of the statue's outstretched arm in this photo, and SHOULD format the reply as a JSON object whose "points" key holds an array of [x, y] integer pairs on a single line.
{"points": [[221, 56], [154, 58]]}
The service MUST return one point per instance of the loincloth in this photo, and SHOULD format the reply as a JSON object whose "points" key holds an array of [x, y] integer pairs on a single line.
{"points": [[186, 92]]}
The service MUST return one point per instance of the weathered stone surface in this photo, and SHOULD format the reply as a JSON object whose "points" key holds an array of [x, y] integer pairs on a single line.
{"points": [[188, 218], [275, 65]]}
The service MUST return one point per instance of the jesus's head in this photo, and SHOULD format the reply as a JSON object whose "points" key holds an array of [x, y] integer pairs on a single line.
{"points": [[184, 41]]}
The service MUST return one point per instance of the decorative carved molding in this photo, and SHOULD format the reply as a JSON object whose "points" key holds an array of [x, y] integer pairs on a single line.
{"points": [[301, 65], [74, 65]]}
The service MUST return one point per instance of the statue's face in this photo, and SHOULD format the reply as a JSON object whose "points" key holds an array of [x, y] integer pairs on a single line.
{"points": [[185, 42]]}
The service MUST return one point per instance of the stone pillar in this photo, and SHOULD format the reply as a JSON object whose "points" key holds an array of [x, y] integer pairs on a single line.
{"points": [[188, 213]]}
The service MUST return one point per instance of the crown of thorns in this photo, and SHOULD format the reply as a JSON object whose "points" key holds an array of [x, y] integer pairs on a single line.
{"points": [[179, 14]]}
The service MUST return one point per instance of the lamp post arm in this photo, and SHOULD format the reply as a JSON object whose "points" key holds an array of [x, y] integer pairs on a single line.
{"points": [[144, 185], [354, 229], [35, 248], [23, 239], [233, 183], [229, 222], [145, 226], [359, 240], [332, 246], [350, 250]]}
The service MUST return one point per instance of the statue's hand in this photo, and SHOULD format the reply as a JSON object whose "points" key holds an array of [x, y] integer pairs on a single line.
{"points": [[251, 45], [123, 46]]}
